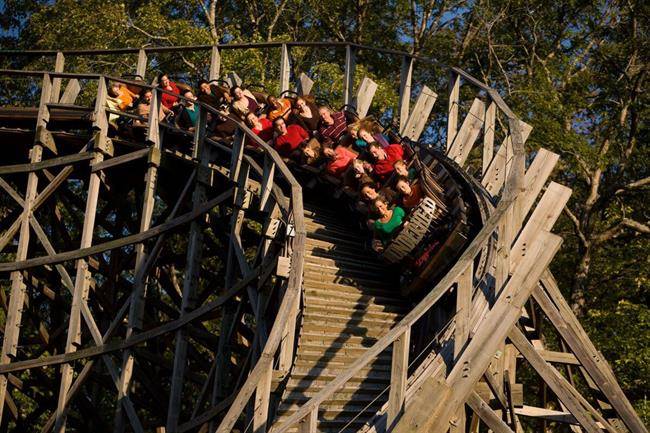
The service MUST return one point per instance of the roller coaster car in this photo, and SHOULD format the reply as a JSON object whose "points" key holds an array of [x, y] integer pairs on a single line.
{"points": [[440, 228]]}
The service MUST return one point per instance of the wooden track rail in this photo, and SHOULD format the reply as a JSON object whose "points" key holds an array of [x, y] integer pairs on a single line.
{"points": [[477, 325]]}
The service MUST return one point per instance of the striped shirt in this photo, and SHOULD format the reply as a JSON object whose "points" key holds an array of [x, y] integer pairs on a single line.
{"points": [[334, 131]]}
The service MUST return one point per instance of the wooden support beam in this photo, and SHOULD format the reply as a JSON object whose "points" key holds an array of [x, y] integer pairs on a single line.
{"points": [[554, 380], [404, 104], [310, 423], [304, 84], [71, 92], [262, 398], [475, 359], [268, 179], [348, 80], [285, 68], [136, 309], [534, 180], [485, 412], [559, 312], [141, 66], [452, 112], [18, 289], [190, 281], [543, 217], [365, 94], [496, 173], [83, 275], [59, 64], [420, 114], [215, 64], [468, 133], [488, 136], [398, 376], [464, 287]]}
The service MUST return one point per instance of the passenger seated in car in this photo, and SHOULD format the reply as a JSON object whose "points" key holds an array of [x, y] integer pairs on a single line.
{"points": [[243, 102], [339, 159], [355, 176], [387, 222], [278, 107], [402, 169], [369, 192], [127, 96], [305, 114], [384, 158], [113, 102], [168, 101], [312, 152], [144, 106], [213, 95], [288, 138], [332, 125], [411, 193], [189, 114], [260, 126], [367, 134]]}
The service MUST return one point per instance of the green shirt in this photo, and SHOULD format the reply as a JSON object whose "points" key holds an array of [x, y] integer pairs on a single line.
{"points": [[385, 230]]}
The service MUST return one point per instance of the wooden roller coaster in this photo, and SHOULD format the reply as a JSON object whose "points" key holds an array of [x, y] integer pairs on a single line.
{"points": [[167, 281]]}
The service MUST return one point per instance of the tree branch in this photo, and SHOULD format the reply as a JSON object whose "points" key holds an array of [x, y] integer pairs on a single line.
{"points": [[576, 225]]}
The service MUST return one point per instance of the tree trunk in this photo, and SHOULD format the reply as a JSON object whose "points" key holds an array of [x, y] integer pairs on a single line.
{"points": [[578, 293]]}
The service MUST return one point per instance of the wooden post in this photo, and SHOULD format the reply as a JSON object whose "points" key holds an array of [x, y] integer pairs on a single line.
{"points": [[348, 83], [56, 82], [310, 423], [559, 313], [262, 397], [365, 94], [18, 288], [190, 281], [136, 308], [304, 84], [420, 115], [468, 133], [285, 68], [406, 76], [554, 380], [83, 275], [463, 308], [452, 113], [488, 136], [215, 64], [398, 376], [141, 68]]}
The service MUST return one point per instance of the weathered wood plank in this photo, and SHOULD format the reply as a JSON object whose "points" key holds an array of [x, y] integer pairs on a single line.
{"points": [[420, 114], [406, 77], [468, 133], [554, 380], [576, 338], [485, 412], [488, 136], [285, 68], [452, 110], [398, 376], [348, 80], [365, 94]]}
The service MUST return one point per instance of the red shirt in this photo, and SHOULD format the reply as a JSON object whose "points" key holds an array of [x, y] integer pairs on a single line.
{"points": [[168, 100], [287, 143], [344, 157], [266, 133], [384, 167]]}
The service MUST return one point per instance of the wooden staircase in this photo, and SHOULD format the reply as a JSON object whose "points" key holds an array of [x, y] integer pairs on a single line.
{"points": [[350, 300]]}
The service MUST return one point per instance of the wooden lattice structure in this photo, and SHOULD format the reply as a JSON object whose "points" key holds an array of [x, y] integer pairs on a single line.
{"points": [[176, 283]]}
